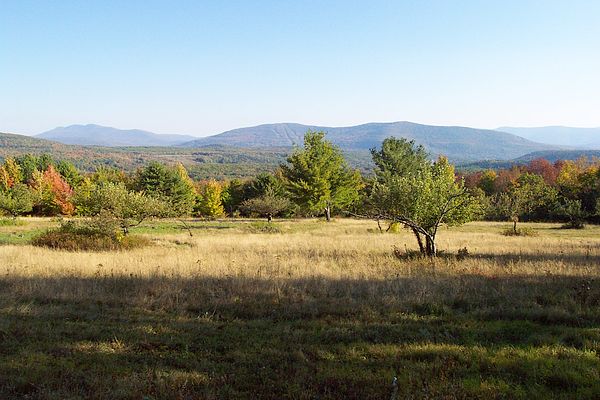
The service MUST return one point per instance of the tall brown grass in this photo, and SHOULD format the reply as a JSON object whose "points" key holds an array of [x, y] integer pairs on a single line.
{"points": [[346, 258]]}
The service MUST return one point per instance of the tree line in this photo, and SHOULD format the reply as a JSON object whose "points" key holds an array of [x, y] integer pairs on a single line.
{"points": [[406, 188], [565, 191]]}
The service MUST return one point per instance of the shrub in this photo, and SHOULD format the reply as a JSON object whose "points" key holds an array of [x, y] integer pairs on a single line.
{"points": [[519, 232], [96, 234]]}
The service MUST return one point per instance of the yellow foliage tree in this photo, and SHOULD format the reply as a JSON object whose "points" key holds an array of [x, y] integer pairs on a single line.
{"points": [[209, 203]]}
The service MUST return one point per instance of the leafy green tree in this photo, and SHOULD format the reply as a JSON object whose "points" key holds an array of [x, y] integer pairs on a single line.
{"points": [[267, 205], [424, 199], [107, 174], [399, 157], [263, 183], [209, 202], [529, 196], [115, 201], [172, 185], [16, 201], [571, 211], [487, 182], [232, 196], [588, 185], [69, 172], [28, 164], [318, 178]]}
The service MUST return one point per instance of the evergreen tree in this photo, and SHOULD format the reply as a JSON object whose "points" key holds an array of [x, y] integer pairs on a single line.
{"points": [[318, 178], [172, 185]]}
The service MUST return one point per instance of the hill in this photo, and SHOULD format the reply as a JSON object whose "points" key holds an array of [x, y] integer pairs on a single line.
{"points": [[457, 143], [559, 135], [96, 135], [550, 155], [555, 155], [218, 162]]}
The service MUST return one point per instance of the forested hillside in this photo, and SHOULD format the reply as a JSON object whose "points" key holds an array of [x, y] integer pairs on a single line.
{"points": [[212, 161], [455, 142]]}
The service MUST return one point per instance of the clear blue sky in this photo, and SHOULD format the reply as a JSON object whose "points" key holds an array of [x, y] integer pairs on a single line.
{"points": [[202, 67]]}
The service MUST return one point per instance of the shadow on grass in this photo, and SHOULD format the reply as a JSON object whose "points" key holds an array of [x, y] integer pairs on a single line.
{"points": [[169, 337]]}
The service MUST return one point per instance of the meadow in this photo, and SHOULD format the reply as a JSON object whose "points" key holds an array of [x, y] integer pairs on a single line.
{"points": [[302, 309]]}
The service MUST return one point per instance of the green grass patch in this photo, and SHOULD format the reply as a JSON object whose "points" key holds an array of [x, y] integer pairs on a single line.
{"points": [[12, 222]]}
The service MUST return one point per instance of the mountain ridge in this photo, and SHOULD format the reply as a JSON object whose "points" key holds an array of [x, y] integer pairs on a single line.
{"points": [[455, 142], [98, 135]]}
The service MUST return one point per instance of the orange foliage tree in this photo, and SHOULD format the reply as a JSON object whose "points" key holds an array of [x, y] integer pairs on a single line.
{"points": [[52, 193]]}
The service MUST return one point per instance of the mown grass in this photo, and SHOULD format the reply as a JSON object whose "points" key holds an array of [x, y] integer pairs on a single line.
{"points": [[316, 311]]}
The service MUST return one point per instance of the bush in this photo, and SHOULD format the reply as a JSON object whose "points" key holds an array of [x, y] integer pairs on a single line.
{"points": [[91, 235], [519, 232]]}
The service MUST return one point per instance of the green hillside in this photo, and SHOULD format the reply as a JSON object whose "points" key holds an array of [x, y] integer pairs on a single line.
{"points": [[209, 162]]}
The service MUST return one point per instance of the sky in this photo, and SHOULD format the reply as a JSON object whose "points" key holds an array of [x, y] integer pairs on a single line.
{"points": [[203, 67]]}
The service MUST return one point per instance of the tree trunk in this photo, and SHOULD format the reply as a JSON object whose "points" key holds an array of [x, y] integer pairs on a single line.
{"points": [[420, 241], [431, 248], [328, 213]]}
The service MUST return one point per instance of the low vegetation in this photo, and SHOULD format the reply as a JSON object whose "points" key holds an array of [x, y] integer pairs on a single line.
{"points": [[316, 311], [98, 234]]}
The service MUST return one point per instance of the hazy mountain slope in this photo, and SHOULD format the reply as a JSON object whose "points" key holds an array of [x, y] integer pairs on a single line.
{"points": [[202, 163], [457, 143], [106, 136], [555, 155], [559, 135], [550, 155]]}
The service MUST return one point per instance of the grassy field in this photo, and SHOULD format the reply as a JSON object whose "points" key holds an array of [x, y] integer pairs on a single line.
{"points": [[301, 310]]}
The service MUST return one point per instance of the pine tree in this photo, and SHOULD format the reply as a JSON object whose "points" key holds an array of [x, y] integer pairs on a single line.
{"points": [[318, 178]]}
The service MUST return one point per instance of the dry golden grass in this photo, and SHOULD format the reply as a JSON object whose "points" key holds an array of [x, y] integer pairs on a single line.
{"points": [[346, 249], [352, 310]]}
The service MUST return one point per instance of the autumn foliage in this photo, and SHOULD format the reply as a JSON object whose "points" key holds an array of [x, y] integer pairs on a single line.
{"points": [[52, 193]]}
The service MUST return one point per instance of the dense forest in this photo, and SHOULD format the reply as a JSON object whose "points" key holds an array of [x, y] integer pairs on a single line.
{"points": [[404, 187]]}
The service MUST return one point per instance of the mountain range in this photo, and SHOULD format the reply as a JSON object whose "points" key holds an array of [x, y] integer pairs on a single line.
{"points": [[456, 142], [227, 162], [587, 138], [97, 135]]}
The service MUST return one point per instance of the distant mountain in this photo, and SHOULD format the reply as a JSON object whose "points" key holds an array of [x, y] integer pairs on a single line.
{"points": [[457, 143], [555, 155], [96, 135], [559, 135], [550, 155]]}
